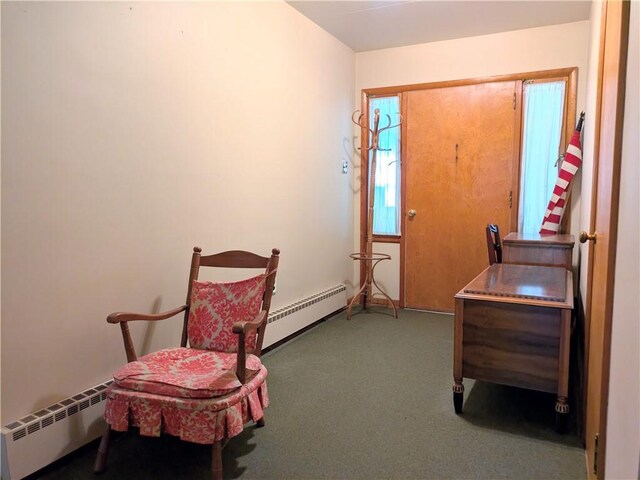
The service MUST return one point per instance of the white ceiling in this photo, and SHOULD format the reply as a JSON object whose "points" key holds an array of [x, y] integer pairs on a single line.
{"points": [[372, 25]]}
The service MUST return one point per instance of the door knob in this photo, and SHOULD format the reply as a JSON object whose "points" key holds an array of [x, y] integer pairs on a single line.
{"points": [[411, 213], [584, 236]]}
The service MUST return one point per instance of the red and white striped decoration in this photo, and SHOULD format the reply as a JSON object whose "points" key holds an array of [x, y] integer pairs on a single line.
{"points": [[570, 164]]}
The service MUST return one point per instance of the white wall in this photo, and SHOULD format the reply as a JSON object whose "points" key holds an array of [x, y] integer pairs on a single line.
{"points": [[134, 131], [544, 48], [623, 418]]}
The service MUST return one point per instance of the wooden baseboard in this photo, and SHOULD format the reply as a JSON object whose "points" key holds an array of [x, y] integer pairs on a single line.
{"points": [[384, 302], [431, 310], [378, 301]]}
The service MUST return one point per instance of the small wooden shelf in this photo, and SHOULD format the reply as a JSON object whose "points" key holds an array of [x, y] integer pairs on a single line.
{"points": [[536, 249]]}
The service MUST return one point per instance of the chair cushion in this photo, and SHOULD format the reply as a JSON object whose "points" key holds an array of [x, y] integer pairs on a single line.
{"points": [[199, 420], [185, 373], [215, 307]]}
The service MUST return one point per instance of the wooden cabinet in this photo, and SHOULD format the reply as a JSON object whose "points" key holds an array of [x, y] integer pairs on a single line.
{"points": [[513, 326], [536, 249]]}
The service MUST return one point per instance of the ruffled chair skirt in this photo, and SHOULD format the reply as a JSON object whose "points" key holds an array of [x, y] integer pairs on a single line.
{"points": [[198, 420]]}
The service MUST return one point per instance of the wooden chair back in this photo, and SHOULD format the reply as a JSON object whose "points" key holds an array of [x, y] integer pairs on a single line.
{"points": [[235, 259], [494, 244]]}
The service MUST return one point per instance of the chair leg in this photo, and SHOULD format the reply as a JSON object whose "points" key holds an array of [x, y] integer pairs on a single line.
{"points": [[260, 423], [103, 451], [216, 460]]}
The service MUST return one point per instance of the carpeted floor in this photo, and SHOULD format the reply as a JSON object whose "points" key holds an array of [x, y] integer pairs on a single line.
{"points": [[368, 398]]}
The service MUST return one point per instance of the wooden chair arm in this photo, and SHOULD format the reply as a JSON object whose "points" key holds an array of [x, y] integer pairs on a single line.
{"points": [[242, 328], [118, 317], [247, 326], [123, 317]]}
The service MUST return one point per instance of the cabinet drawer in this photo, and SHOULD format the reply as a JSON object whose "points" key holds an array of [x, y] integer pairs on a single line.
{"points": [[538, 255]]}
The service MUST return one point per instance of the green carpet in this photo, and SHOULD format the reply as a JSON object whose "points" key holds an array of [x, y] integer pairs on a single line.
{"points": [[368, 398]]}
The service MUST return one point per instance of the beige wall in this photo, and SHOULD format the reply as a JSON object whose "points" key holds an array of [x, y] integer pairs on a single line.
{"points": [[545, 48], [623, 427], [134, 131]]}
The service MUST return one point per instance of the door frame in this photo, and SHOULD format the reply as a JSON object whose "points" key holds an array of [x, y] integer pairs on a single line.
{"points": [[570, 73], [610, 100]]}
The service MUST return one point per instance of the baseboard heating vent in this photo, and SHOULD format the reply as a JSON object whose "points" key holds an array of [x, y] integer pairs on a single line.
{"points": [[289, 319], [294, 307], [36, 440]]}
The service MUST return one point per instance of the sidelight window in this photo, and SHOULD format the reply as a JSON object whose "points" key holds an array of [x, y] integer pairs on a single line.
{"points": [[386, 205], [542, 133]]}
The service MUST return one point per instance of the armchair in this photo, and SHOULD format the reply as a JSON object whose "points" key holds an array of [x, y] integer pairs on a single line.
{"points": [[207, 391]]}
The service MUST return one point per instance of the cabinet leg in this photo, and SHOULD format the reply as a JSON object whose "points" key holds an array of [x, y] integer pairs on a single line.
{"points": [[458, 396], [562, 415]]}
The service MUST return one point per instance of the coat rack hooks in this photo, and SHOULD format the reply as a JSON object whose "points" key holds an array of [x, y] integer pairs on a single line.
{"points": [[376, 131]]}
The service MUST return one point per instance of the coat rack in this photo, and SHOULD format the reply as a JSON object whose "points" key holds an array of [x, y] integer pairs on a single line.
{"points": [[370, 258]]}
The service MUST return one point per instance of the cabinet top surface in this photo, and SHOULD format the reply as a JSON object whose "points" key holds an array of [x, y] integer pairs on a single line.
{"points": [[522, 283], [536, 238]]}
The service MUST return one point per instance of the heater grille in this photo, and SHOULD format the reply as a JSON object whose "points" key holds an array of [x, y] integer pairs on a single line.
{"points": [[55, 413], [294, 307]]}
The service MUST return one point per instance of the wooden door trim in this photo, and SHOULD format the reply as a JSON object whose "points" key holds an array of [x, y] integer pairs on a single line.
{"points": [[517, 155], [403, 203], [538, 74], [570, 125], [592, 220], [614, 65], [386, 239]]}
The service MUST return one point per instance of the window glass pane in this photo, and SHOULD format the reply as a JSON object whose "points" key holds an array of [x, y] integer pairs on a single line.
{"points": [[386, 205], [543, 109]]}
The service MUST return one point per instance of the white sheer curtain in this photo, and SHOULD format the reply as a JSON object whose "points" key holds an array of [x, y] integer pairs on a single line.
{"points": [[386, 205], [543, 110]]}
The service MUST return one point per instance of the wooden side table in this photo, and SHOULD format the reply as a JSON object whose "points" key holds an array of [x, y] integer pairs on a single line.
{"points": [[371, 260], [536, 249], [513, 326]]}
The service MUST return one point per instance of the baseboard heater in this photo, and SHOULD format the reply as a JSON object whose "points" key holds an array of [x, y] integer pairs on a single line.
{"points": [[40, 438]]}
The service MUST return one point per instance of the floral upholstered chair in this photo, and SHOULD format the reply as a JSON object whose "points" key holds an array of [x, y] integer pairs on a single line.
{"points": [[206, 392]]}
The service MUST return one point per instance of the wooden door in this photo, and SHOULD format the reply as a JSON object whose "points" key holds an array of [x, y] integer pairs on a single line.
{"points": [[604, 223], [460, 153]]}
